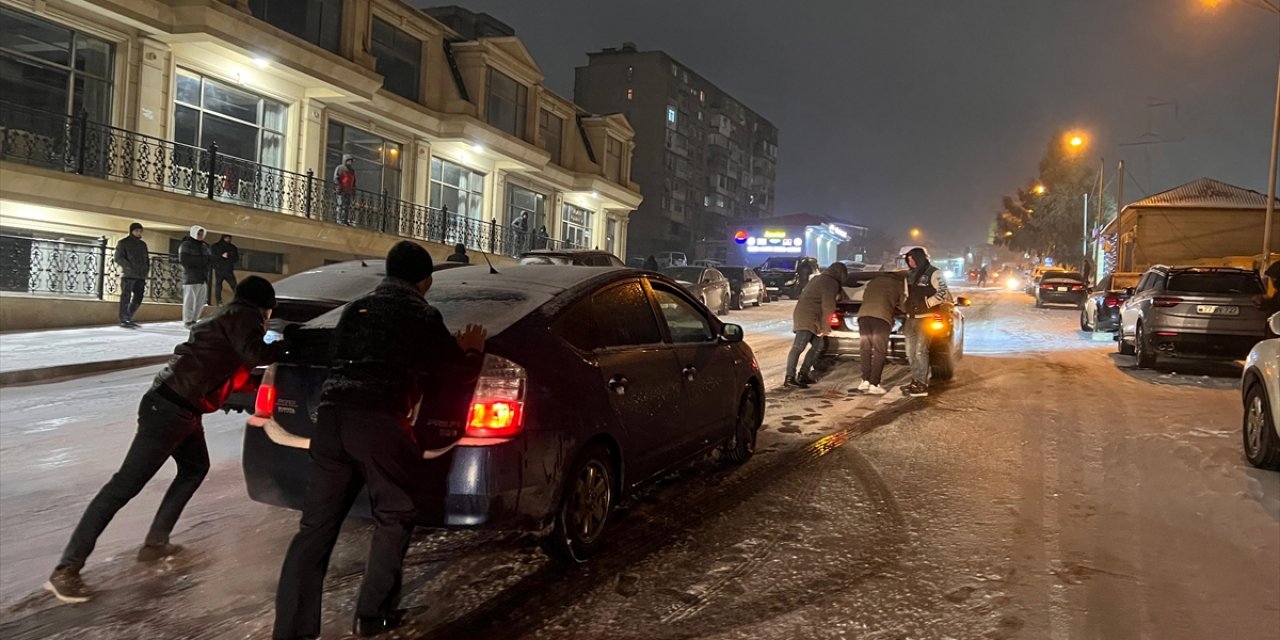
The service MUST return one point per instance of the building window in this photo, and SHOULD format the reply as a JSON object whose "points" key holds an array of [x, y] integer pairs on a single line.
{"points": [[613, 160], [631, 94], [245, 125], [631, 72], [551, 132], [53, 69], [675, 71], [575, 227], [611, 236], [316, 21], [458, 188], [377, 160], [521, 200], [507, 102], [672, 115], [399, 59]]}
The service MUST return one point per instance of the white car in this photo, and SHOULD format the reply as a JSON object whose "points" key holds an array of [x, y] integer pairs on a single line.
{"points": [[1260, 388]]}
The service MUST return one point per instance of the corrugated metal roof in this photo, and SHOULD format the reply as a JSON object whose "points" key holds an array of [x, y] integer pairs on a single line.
{"points": [[1206, 193]]}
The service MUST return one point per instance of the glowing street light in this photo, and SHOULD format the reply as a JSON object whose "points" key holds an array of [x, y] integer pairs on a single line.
{"points": [[1076, 141], [1038, 189], [915, 233]]}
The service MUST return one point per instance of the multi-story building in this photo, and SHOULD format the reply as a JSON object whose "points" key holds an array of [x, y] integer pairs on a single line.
{"points": [[703, 159], [234, 114]]}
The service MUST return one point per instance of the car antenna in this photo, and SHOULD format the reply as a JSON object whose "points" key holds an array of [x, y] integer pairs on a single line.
{"points": [[486, 260]]}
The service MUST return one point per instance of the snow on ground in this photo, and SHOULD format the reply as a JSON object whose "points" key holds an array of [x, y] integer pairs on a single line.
{"points": [[36, 349]]}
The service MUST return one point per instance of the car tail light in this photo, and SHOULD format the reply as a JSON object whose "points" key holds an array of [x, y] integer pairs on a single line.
{"points": [[264, 405], [1077, 287], [835, 321], [1166, 302], [1167, 334], [1046, 286], [1111, 301], [938, 323], [497, 406]]}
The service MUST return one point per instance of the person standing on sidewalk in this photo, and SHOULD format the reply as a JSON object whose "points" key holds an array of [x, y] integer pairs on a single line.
{"points": [[196, 259], [203, 371], [135, 266], [344, 181], [883, 296], [389, 347], [926, 289], [226, 255], [459, 254], [809, 321]]}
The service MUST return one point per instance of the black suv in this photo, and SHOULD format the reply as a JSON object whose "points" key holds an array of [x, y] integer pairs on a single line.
{"points": [[781, 275]]}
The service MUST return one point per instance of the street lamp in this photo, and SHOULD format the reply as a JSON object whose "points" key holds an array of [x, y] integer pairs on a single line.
{"points": [[915, 234], [1038, 189]]}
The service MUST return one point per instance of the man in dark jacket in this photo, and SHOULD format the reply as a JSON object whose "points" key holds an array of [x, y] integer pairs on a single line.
{"points": [[196, 260], [926, 289], [203, 371], [387, 345], [135, 266], [459, 254], [809, 322], [226, 255]]}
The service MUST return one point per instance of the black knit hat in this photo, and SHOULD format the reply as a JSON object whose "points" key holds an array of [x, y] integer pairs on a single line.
{"points": [[135, 226], [257, 291], [409, 261]]}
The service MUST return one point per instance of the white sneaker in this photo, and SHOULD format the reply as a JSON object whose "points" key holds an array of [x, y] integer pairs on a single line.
{"points": [[876, 390], [864, 386]]}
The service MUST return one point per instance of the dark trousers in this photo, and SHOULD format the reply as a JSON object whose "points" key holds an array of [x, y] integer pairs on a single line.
{"points": [[220, 277], [131, 290], [352, 448], [873, 348], [165, 430], [817, 345]]}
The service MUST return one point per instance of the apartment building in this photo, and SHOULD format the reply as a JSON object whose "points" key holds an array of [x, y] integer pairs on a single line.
{"points": [[234, 114]]}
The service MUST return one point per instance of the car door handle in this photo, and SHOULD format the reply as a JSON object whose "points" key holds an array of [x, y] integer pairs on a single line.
{"points": [[689, 373], [618, 384]]}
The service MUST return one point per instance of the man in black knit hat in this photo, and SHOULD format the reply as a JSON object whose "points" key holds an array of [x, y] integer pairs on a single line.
{"points": [[204, 370], [386, 345]]}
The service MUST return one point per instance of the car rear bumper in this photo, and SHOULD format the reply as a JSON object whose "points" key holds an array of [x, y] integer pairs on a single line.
{"points": [[1230, 347], [1062, 297], [1108, 321], [849, 343]]}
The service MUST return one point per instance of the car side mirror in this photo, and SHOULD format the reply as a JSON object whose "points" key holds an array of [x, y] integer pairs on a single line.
{"points": [[963, 301], [1274, 323], [731, 333]]}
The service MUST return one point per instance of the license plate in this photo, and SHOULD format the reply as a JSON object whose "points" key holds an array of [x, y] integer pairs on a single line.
{"points": [[1062, 289], [1218, 310]]}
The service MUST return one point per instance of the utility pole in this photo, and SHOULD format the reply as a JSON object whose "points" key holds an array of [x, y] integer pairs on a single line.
{"points": [[1084, 238], [1120, 191], [1271, 179]]}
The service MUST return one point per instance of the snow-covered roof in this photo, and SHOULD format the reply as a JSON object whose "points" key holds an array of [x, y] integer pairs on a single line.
{"points": [[1205, 193]]}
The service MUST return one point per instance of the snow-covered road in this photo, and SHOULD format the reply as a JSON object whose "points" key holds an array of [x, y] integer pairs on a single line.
{"points": [[1049, 491]]}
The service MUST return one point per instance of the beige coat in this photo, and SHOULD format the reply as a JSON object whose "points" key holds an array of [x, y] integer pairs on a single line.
{"points": [[816, 304], [882, 297]]}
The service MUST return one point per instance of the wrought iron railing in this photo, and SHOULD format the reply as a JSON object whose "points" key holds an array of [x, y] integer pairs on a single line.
{"points": [[79, 145], [64, 269]]}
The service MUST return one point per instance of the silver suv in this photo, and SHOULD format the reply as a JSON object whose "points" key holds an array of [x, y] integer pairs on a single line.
{"points": [[1192, 311]]}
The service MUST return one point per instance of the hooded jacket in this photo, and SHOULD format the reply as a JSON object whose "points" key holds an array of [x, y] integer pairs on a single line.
{"points": [[131, 255], [344, 177], [818, 301], [227, 264], [195, 257], [926, 288], [217, 358]]}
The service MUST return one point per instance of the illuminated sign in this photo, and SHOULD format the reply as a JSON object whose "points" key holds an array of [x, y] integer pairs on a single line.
{"points": [[775, 233], [837, 232], [740, 237], [773, 241]]}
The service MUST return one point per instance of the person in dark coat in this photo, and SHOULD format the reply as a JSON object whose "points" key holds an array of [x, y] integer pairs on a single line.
{"points": [[520, 232], [216, 358], [390, 346], [543, 238], [651, 263], [226, 255], [926, 290], [459, 254], [809, 322], [135, 265], [197, 260]]}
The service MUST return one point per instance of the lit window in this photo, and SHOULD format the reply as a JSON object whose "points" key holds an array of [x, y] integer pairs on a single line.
{"points": [[631, 94], [671, 115]]}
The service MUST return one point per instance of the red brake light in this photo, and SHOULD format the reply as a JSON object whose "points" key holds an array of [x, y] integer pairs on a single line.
{"points": [[1046, 286], [834, 320], [1166, 302], [497, 406], [1077, 287], [264, 405], [1111, 301]]}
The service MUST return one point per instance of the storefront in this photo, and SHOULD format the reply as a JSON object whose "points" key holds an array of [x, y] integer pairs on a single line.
{"points": [[794, 235]]}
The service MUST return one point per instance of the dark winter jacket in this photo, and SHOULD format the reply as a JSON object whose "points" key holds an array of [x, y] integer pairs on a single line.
{"points": [[459, 257], [389, 347], [196, 260], [132, 256], [926, 289], [217, 357], [227, 264], [818, 301]]}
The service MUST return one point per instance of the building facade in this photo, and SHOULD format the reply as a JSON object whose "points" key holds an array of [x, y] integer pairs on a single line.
{"points": [[703, 159], [234, 115]]}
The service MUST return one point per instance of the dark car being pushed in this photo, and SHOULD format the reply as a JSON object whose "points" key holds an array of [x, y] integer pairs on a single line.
{"points": [[745, 286], [594, 381], [1101, 310], [1061, 287], [787, 275]]}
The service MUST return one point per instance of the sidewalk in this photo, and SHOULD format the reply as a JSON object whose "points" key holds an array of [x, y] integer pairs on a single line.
{"points": [[38, 356]]}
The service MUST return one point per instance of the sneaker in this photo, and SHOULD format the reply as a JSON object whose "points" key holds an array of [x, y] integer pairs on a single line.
{"points": [[864, 387], [126, 325], [367, 626], [133, 325], [794, 383], [153, 552], [916, 390], [65, 584], [805, 380], [876, 390]]}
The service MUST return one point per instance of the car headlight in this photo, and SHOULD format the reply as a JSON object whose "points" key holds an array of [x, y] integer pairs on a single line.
{"points": [[791, 282], [1013, 283]]}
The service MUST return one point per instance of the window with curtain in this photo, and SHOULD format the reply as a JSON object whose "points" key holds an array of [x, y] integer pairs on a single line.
{"points": [[54, 69], [245, 125], [575, 226], [458, 188], [377, 159]]}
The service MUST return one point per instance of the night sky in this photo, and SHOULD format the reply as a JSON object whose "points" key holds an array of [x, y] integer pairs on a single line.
{"points": [[921, 114]]}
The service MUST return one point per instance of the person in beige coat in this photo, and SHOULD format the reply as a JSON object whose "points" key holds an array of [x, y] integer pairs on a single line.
{"points": [[809, 321], [882, 299]]}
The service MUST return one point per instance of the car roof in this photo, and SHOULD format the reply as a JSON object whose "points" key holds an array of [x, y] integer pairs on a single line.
{"points": [[1199, 269], [565, 252]]}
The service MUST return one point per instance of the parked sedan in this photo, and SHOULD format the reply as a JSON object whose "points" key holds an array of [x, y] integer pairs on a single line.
{"points": [[708, 285], [1061, 287], [1260, 390], [745, 286], [1101, 310], [594, 382]]}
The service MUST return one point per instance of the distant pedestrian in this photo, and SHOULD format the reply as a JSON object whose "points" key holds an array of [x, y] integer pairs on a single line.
{"points": [[197, 260], [135, 266], [344, 181], [226, 255], [389, 347], [203, 371], [651, 263], [982, 276], [882, 299], [926, 289], [804, 271], [809, 322], [543, 240], [459, 254], [520, 232]]}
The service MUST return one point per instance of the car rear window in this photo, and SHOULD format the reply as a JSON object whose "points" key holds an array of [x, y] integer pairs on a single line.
{"points": [[732, 273], [1215, 283], [780, 264], [1063, 275], [686, 274]]}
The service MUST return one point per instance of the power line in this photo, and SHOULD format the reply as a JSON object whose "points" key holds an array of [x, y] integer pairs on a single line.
{"points": [[1131, 177]]}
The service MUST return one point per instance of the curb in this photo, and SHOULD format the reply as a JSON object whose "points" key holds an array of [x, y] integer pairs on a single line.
{"points": [[78, 370]]}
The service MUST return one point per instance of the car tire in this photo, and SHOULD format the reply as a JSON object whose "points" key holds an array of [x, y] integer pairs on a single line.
{"points": [[737, 303], [1084, 320], [942, 364], [724, 305], [1261, 444], [742, 444], [1124, 348], [586, 501], [1142, 349]]}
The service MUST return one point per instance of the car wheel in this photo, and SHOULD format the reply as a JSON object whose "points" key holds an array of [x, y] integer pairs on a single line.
{"points": [[1124, 348], [585, 504], [1084, 320], [742, 443], [737, 303], [1143, 350], [942, 364], [724, 304], [1261, 444]]}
